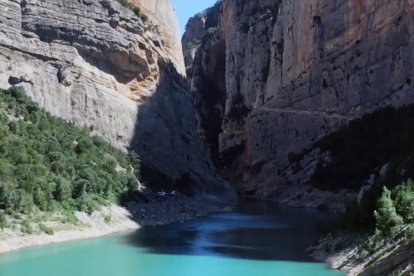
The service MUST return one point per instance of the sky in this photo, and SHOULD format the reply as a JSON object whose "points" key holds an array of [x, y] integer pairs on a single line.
{"points": [[187, 8]]}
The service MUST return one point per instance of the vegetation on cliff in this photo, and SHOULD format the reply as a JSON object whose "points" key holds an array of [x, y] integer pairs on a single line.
{"points": [[370, 153], [394, 212], [47, 164], [385, 250], [374, 156], [134, 8]]}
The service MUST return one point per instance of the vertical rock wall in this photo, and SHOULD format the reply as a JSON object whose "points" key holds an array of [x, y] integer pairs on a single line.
{"points": [[297, 70], [96, 63]]}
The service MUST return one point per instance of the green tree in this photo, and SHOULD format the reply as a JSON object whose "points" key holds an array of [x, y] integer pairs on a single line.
{"points": [[24, 202], [5, 196], [404, 201], [387, 219], [3, 220], [40, 200], [63, 190], [48, 163], [83, 145]]}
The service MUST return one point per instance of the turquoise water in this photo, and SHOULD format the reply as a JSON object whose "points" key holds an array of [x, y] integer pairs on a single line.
{"points": [[255, 241]]}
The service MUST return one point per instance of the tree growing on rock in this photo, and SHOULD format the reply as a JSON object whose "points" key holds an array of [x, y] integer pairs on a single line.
{"points": [[404, 201], [387, 219]]}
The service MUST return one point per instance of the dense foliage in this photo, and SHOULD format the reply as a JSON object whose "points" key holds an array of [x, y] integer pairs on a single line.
{"points": [[364, 146], [48, 164], [395, 209]]}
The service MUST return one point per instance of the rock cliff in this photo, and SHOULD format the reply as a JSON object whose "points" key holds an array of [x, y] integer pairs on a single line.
{"points": [[295, 71], [162, 14], [197, 26], [96, 63]]}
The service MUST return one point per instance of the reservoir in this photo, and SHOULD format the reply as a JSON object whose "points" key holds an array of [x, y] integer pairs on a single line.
{"points": [[258, 239]]}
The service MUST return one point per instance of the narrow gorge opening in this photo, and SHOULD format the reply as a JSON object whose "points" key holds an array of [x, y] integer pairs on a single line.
{"points": [[204, 50], [209, 84]]}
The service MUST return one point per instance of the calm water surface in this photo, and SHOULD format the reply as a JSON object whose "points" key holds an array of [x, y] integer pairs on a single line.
{"points": [[259, 239]]}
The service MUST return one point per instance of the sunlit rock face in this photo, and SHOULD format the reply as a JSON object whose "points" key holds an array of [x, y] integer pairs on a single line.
{"points": [[162, 14], [297, 70], [96, 63], [196, 28]]}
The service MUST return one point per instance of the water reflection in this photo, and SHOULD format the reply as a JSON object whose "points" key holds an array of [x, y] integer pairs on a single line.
{"points": [[259, 231]]}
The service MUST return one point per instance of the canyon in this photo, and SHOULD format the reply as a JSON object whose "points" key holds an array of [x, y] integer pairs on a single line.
{"points": [[271, 78], [234, 109], [99, 65], [256, 85], [267, 80]]}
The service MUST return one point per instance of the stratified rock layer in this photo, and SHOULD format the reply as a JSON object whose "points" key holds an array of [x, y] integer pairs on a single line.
{"points": [[95, 63], [297, 70]]}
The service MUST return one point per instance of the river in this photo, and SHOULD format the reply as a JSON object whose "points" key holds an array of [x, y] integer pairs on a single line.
{"points": [[259, 239]]}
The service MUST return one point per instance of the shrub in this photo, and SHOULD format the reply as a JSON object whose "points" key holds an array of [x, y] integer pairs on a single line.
{"points": [[26, 227], [3, 220], [45, 229], [136, 10], [107, 219], [212, 30], [410, 233], [194, 44]]}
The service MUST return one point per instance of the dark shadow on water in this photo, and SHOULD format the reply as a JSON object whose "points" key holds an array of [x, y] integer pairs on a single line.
{"points": [[258, 231]]}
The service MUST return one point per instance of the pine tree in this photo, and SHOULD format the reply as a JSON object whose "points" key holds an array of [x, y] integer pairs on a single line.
{"points": [[387, 219], [404, 201]]}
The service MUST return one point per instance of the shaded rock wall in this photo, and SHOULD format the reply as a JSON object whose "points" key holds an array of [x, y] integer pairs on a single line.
{"points": [[95, 63], [204, 53], [197, 26], [297, 70]]}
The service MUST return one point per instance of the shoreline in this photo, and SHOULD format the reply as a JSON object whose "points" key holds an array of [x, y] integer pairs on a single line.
{"points": [[25, 242], [95, 226], [159, 211], [392, 256]]}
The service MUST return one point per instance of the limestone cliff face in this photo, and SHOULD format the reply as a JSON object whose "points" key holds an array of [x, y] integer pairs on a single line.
{"points": [[196, 28], [162, 14], [205, 61], [297, 70], [95, 63]]}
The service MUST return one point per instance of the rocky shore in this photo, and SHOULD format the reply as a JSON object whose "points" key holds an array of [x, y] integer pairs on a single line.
{"points": [[158, 210], [347, 253], [168, 208], [108, 220]]}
